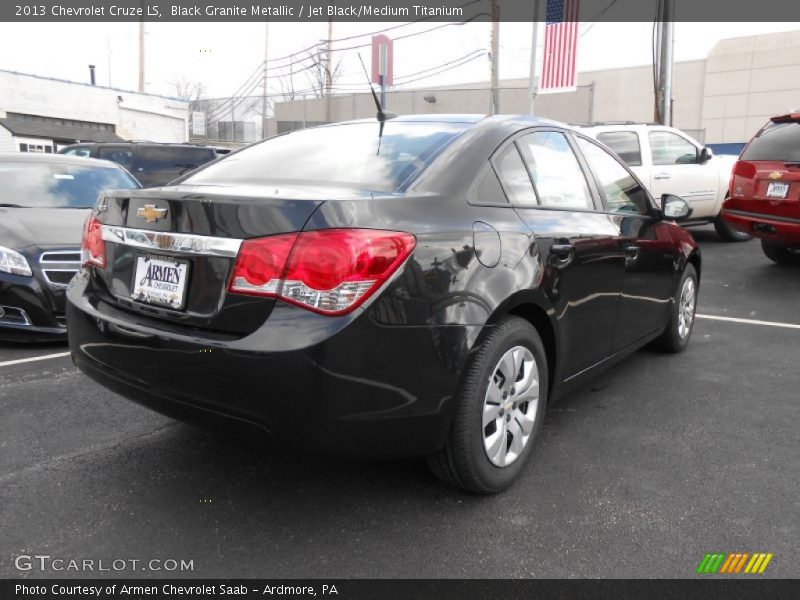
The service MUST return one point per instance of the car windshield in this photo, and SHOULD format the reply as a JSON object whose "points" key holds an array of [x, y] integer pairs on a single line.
{"points": [[350, 155], [58, 185], [778, 141]]}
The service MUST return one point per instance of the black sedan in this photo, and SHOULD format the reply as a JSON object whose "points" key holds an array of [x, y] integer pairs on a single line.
{"points": [[44, 201], [419, 287]]}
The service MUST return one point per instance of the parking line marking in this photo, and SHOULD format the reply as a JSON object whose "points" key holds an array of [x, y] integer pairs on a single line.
{"points": [[19, 361], [749, 321]]}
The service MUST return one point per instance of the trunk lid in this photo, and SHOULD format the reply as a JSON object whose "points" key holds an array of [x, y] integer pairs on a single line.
{"points": [[197, 230]]}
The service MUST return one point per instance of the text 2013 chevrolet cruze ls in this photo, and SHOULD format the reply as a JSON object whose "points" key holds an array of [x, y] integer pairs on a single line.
{"points": [[423, 287]]}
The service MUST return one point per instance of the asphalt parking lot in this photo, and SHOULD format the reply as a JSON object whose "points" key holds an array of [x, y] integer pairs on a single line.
{"points": [[638, 474]]}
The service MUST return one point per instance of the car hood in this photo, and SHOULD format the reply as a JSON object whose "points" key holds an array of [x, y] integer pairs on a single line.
{"points": [[22, 227]]}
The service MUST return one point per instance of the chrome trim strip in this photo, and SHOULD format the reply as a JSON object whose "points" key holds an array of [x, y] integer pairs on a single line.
{"points": [[44, 260], [183, 243], [22, 315]]}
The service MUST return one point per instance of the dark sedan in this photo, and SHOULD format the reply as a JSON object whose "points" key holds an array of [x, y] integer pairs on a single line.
{"points": [[44, 201], [423, 287]]}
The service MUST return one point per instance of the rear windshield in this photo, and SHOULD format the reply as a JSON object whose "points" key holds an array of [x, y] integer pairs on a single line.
{"points": [[348, 155], [777, 141], [34, 184], [166, 157]]}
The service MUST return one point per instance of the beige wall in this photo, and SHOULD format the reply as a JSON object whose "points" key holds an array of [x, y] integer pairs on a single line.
{"points": [[748, 80], [627, 94]]}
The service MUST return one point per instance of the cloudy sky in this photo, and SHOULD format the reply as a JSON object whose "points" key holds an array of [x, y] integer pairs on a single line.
{"points": [[221, 56]]}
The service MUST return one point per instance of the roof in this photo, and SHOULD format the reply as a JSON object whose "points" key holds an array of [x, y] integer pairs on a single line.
{"points": [[101, 87], [54, 159], [51, 128]]}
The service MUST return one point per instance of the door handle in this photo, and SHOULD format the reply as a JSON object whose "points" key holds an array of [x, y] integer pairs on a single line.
{"points": [[632, 251], [662, 176]]}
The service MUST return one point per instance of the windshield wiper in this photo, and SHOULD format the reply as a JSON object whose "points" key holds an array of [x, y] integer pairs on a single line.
{"points": [[9, 205]]}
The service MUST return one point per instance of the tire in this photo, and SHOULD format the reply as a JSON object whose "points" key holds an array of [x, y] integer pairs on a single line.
{"points": [[728, 233], [485, 419], [681, 318], [779, 253]]}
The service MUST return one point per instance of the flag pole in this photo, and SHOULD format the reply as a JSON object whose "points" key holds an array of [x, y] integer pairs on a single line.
{"points": [[534, 43]]}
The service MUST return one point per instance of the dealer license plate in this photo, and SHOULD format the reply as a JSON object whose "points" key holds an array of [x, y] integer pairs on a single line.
{"points": [[777, 190], [160, 280]]}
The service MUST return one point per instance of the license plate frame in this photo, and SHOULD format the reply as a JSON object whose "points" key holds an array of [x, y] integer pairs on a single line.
{"points": [[777, 190], [170, 287]]}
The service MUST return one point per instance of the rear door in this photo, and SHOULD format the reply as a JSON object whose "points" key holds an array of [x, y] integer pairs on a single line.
{"points": [[583, 274], [645, 242]]}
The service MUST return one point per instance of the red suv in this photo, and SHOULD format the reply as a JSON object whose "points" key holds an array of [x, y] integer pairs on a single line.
{"points": [[764, 193]]}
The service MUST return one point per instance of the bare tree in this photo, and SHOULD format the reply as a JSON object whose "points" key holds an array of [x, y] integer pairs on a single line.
{"points": [[314, 69], [192, 91]]}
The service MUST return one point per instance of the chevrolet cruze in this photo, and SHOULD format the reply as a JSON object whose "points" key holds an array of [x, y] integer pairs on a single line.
{"points": [[423, 286]]}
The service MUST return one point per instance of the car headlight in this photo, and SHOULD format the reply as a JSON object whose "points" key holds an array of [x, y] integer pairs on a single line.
{"points": [[12, 261]]}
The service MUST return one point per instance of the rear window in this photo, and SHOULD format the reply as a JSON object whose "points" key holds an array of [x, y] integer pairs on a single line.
{"points": [[156, 158], [777, 141], [33, 184], [348, 155]]}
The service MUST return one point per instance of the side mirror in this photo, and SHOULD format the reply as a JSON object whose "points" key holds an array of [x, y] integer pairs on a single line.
{"points": [[704, 156], [675, 208]]}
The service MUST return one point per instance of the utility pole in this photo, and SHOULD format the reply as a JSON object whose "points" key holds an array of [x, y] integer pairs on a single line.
{"points": [[664, 93], [534, 51], [264, 98], [141, 55], [494, 60], [108, 58], [328, 72]]}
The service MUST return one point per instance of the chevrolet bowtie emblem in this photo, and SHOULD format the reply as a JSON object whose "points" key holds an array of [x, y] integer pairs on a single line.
{"points": [[150, 213], [775, 175]]}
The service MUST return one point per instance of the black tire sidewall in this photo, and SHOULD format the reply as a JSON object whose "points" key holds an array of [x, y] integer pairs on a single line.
{"points": [[728, 233], [676, 341]]}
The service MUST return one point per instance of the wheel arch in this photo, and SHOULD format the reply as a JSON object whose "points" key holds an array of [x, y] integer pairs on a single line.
{"points": [[533, 309]]}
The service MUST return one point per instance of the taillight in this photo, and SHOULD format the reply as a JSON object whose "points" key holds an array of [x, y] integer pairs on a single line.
{"points": [[330, 271], [741, 169], [744, 169], [93, 249]]}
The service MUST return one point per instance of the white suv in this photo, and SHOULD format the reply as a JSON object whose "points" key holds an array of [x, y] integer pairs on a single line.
{"points": [[670, 162]]}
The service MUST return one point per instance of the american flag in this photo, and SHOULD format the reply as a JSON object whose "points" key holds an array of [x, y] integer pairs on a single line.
{"points": [[560, 45]]}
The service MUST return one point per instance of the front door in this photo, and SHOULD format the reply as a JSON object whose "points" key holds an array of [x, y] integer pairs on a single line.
{"points": [[677, 170], [643, 239]]}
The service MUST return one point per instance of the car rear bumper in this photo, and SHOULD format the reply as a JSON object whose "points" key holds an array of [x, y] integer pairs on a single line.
{"points": [[31, 311], [782, 230], [361, 390]]}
